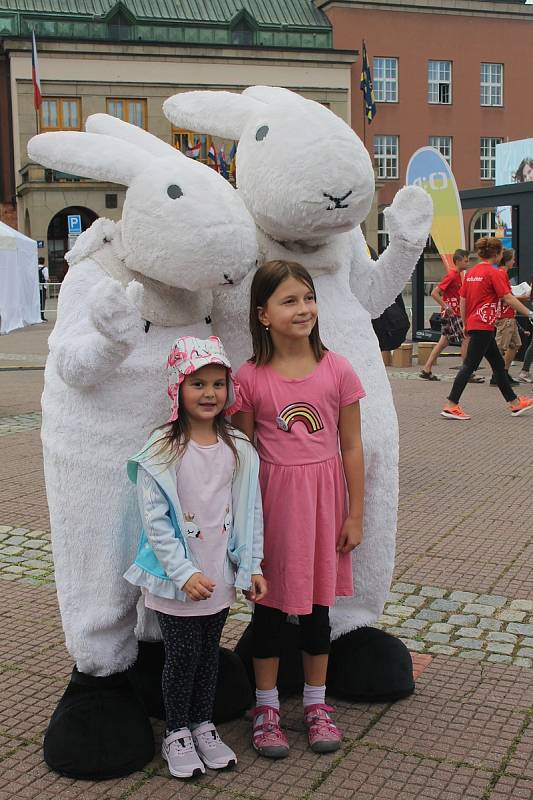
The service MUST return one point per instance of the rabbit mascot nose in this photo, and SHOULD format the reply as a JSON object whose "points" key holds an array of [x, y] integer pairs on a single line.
{"points": [[132, 288], [308, 182]]}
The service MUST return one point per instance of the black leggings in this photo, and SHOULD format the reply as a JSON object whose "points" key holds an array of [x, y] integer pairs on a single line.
{"points": [[482, 343], [191, 667], [267, 624], [528, 357]]}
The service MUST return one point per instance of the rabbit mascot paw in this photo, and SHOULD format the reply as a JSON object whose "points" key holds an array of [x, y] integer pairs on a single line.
{"points": [[131, 289], [308, 182]]}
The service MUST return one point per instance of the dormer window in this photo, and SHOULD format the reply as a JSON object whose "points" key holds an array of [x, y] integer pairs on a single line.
{"points": [[119, 25], [242, 29]]}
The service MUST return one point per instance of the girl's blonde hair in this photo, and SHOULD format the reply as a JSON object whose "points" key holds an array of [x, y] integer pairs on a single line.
{"points": [[266, 281]]}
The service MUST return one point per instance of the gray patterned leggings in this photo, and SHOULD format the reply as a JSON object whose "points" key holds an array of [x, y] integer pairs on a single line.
{"points": [[191, 667]]}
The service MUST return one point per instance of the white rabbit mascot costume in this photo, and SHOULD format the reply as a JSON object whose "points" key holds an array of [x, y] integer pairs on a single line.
{"points": [[131, 290], [308, 182]]}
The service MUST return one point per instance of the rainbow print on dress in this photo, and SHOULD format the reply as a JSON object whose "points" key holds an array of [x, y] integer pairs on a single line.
{"points": [[299, 412]]}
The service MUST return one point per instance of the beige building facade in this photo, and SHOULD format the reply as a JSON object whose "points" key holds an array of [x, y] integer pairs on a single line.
{"points": [[132, 81]]}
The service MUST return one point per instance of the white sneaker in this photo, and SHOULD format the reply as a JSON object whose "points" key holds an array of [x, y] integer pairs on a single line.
{"points": [[525, 377], [211, 749], [180, 755]]}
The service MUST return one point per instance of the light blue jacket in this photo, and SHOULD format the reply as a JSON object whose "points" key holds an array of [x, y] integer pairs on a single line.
{"points": [[164, 562]]}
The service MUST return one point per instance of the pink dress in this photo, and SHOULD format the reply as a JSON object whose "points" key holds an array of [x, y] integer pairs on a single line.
{"points": [[302, 480]]}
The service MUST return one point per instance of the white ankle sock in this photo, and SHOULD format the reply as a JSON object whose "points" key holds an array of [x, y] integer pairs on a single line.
{"points": [[267, 697], [314, 695]]}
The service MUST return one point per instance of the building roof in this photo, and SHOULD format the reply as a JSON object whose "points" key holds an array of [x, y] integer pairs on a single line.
{"points": [[299, 13], [292, 24]]}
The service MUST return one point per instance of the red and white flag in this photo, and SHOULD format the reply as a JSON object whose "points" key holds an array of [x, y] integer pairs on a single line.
{"points": [[36, 78], [212, 156], [193, 151]]}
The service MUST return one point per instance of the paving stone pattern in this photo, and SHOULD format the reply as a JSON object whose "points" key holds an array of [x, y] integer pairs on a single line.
{"points": [[466, 733], [460, 600], [427, 618], [19, 423]]}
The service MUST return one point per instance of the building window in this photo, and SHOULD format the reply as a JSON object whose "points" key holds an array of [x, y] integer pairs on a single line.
{"points": [[444, 145], [61, 114], [129, 110], [119, 27], [491, 85], [483, 224], [386, 156], [440, 82], [383, 236], [243, 34], [386, 80], [184, 141], [487, 155], [111, 201]]}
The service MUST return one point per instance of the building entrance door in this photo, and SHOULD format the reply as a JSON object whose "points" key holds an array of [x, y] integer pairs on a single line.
{"points": [[58, 239]]}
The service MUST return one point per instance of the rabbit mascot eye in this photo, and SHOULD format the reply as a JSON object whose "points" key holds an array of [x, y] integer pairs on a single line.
{"points": [[131, 290], [308, 182]]}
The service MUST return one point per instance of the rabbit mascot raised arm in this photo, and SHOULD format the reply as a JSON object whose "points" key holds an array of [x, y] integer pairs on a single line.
{"points": [[131, 289], [308, 182]]}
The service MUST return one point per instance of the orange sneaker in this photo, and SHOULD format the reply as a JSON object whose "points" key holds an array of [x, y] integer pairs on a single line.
{"points": [[520, 405], [454, 412]]}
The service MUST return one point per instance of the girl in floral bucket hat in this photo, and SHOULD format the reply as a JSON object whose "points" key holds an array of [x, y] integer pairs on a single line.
{"points": [[202, 536]]}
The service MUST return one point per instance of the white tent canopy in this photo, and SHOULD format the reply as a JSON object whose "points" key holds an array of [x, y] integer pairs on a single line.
{"points": [[19, 280]]}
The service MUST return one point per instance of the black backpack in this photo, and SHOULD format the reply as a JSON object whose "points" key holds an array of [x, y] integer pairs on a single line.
{"points": [[392, 326], [41, 275]]}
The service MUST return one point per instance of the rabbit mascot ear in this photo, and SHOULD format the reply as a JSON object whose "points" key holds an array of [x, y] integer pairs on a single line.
{"points": [[218, 113], [112, 126], [100, 157]]}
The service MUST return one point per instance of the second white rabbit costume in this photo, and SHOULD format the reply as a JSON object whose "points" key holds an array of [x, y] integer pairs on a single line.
{"points": [[132, 288], [308, 182]]}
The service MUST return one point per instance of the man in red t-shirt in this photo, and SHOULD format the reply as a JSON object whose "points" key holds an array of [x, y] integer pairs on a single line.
{"points": [[446, 294], [507, 335], [483, 289]]}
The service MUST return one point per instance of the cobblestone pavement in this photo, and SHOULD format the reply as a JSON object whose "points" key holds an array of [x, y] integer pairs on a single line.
{"points": [[19, 423], [427, 618], [461, 600]]}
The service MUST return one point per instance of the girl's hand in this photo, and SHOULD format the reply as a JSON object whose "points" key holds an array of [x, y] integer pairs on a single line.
{"points": [[258, 588], [198, 587], [351, 535]]}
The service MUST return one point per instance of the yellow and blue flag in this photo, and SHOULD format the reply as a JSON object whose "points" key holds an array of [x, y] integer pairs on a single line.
{"points": [[367, 88], [233, 161]]}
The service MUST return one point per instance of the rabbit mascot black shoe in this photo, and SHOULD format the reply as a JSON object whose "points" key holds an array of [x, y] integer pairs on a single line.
{"points": [[308, 182], [132, 288]]}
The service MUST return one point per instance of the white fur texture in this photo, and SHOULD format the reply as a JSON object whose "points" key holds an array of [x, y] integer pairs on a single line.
{"points": [[287, 179], [105, 381]]}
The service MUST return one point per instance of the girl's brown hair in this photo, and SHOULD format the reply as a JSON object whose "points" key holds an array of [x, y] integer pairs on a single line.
{"points": [[488, 246], [507, 255], [175, 436], [266, 281]]}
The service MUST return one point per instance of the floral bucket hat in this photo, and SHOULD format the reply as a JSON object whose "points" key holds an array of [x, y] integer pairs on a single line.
{"points": [[188, 355]]}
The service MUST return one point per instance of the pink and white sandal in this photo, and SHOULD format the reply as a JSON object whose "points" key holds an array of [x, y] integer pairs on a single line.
{"points": [[268, 738], [323, 734]]}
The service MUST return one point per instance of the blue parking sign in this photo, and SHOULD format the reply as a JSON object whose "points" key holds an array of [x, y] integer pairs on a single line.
{"points": [[74, 223]]}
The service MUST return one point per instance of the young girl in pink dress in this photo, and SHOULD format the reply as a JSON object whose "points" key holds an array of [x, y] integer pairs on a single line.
{"points": [[301, 403]]}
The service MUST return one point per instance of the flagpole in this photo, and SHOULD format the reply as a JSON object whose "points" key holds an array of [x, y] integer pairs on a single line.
{"points": [[364, 106]]}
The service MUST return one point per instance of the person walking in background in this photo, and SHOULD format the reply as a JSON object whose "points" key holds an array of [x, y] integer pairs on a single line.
{"points": [[43, 280], [446, 294], [524, 375], [484, 287], [507, 335]]}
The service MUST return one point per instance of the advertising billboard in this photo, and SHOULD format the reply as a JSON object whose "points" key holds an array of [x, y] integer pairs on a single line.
{"points": [[514, 164]]}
